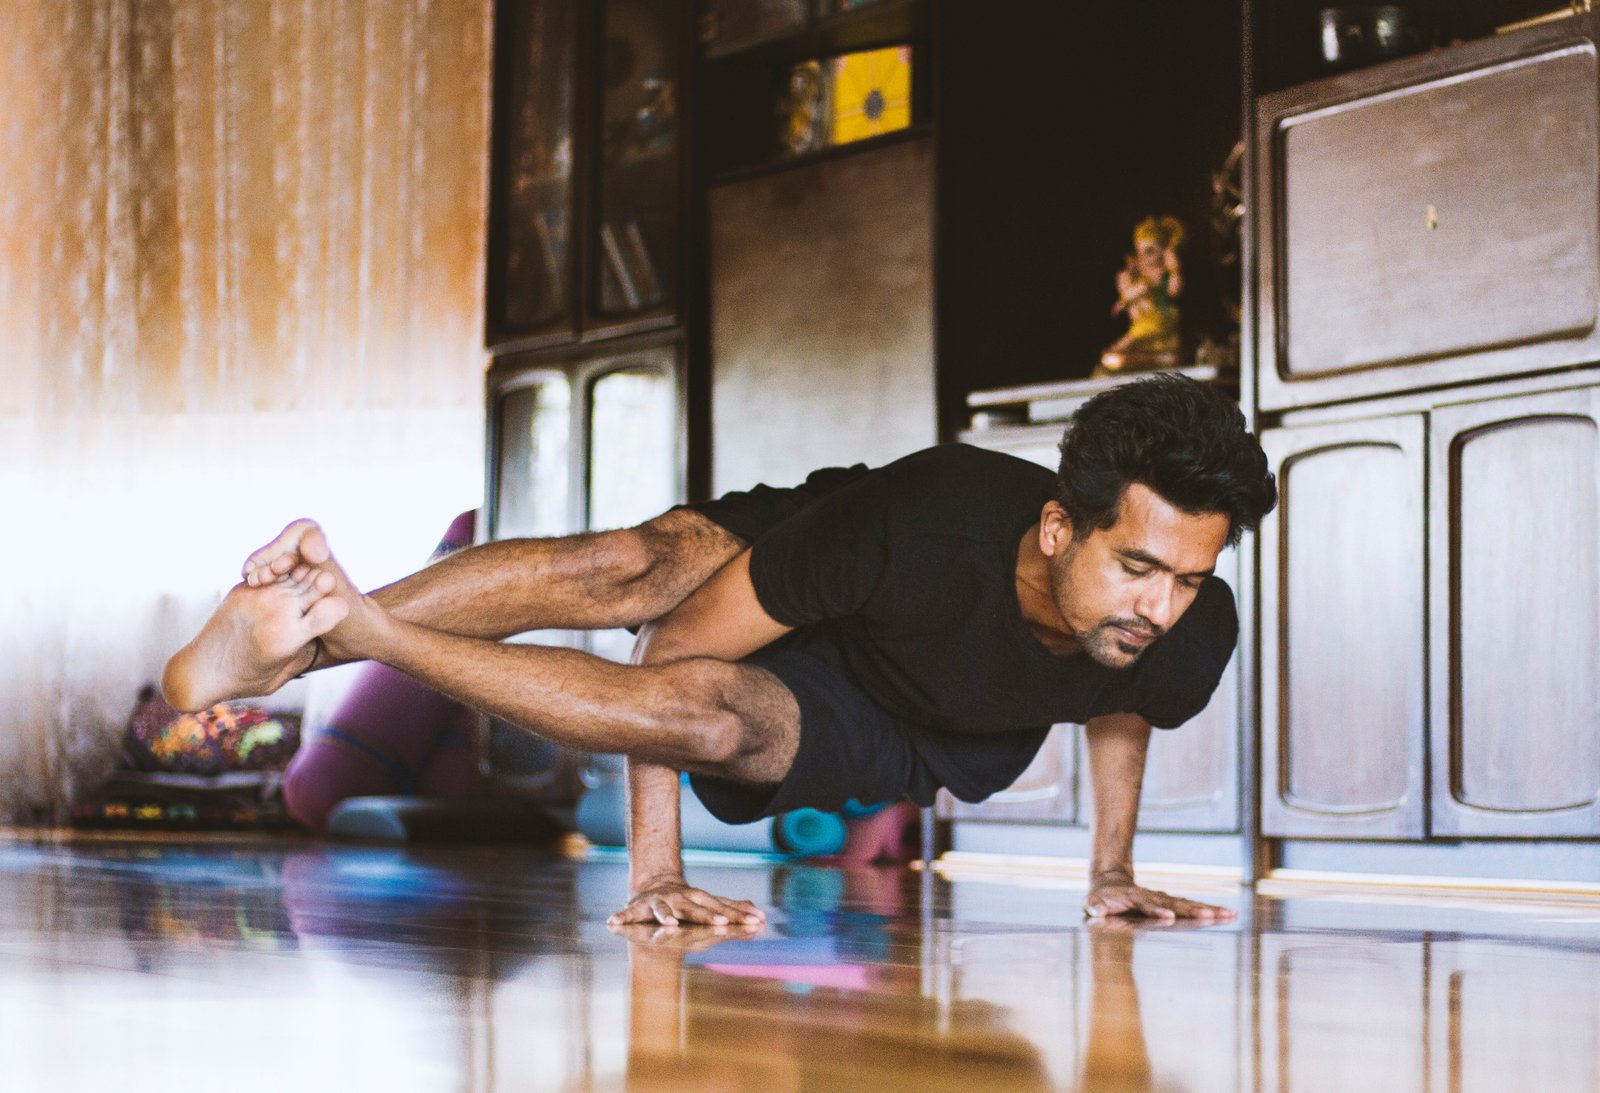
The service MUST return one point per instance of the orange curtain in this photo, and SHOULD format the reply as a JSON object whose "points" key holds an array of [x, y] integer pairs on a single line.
{"points": [[241, 255]]}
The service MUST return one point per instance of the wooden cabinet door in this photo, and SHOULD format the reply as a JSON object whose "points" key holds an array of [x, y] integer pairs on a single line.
{"points": [[1342, 656], [1515, 537], [1431, 221], [1191, 780]]}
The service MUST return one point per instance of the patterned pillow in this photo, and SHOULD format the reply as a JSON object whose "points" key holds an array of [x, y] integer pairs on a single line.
{"points": [[229, 736]]}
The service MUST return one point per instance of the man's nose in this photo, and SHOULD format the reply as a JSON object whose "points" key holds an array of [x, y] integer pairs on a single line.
{"points": [[1158, 604]]}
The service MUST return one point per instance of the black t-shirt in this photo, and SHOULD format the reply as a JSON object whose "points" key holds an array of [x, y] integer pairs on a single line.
{"points": [[916, 564]]}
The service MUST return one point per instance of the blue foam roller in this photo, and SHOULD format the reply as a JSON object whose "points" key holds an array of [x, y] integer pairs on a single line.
{"points": [[810, 833], [855, 810]]}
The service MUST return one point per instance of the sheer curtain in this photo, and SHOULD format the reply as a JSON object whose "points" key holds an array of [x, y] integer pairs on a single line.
{"points": [[240, 280]]}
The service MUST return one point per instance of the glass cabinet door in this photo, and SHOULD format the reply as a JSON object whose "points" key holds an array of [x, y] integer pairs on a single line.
{"points": [[634, 468], [533, 230], [634, 236], [533, 473]]}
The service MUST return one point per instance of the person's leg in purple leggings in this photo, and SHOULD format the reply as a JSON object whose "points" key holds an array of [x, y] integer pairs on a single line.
{"points": [[389, 736]]}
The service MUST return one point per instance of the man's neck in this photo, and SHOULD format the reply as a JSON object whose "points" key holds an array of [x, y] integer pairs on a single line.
{"points": [[1038, 604]]}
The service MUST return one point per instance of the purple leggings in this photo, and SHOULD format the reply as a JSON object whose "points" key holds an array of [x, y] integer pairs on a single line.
{"points": [[389, 736]]}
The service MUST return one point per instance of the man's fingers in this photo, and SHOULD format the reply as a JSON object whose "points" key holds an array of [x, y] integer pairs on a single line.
{"points": [[633, 914], [749, 911], [729, 910], [716, 911], [1154, 905], [1188, 908], [1101, 906]]}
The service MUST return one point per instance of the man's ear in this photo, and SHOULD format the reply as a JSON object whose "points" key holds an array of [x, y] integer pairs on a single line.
{"points": [[1055, 528]]}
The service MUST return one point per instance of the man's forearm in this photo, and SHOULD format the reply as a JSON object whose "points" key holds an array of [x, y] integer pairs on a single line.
{"points": [[1117, 748], [655, 841]]}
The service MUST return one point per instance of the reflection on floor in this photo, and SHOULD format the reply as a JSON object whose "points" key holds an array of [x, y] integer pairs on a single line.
{"points": [[294, 966]]}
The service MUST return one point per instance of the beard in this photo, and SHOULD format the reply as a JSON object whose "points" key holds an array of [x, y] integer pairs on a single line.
{"points": [[1106, 643]]}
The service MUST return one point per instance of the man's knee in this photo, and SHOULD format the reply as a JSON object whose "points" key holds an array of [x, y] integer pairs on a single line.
{"points": [[730, 719], [667, 558]]}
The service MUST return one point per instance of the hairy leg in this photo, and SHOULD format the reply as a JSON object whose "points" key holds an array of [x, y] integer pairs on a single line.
{"points": [[591, 581], [700, 714], [257, 640]]}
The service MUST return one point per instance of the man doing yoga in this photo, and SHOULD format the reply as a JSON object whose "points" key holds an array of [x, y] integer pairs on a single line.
{"points": [[870, 634]]}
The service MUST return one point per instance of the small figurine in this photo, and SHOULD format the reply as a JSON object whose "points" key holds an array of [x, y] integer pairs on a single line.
{"points": [[1148, 288]]}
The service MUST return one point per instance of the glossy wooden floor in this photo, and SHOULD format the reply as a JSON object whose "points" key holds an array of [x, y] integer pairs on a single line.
{"points": [[294, 966]]}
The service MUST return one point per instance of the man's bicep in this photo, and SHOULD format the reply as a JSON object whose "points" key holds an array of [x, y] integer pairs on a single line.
{"points": [[722, 618]]}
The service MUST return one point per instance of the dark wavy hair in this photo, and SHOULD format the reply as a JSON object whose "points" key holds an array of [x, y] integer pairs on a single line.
{"points": [[1183, 440]]}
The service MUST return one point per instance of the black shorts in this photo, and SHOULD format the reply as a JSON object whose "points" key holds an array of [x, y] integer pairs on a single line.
{"points": [[849, 747], [853, 749]]}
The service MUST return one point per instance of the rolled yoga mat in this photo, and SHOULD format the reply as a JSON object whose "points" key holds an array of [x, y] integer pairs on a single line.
{"points": [[603, 810], [809, 833]]}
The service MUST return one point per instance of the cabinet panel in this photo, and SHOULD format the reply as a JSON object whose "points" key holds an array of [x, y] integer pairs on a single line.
{"points": [[1191, 780], [1472, 246], [1418, 220], [1515, 499], [1343, 663]]}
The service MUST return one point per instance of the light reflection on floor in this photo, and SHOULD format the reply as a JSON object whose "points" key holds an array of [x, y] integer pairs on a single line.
{"points": [[286, 965]]}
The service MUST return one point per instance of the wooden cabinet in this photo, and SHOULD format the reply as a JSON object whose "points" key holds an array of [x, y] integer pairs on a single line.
{"points": [[1426, 298], [1515, 550], [1343, 627], [578, 442], [1191, 780], [1452, 691]]}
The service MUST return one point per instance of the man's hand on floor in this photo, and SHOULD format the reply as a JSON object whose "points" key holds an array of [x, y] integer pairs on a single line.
{"points": [[1118, 895], [672, 902]]}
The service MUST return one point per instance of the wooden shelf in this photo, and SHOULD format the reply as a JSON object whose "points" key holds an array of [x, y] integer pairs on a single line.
{"points": [[838, 151]]}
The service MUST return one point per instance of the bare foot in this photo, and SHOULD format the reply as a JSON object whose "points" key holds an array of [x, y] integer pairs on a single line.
{"points": [[258, 639], [300, 543]]}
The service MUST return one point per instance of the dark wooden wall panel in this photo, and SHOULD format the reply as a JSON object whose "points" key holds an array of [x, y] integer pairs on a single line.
{"points": [[1515, 504], [821, 283], [1343, 670]]}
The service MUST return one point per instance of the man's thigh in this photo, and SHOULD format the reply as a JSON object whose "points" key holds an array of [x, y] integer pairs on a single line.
{"points": [[821, 740]]}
